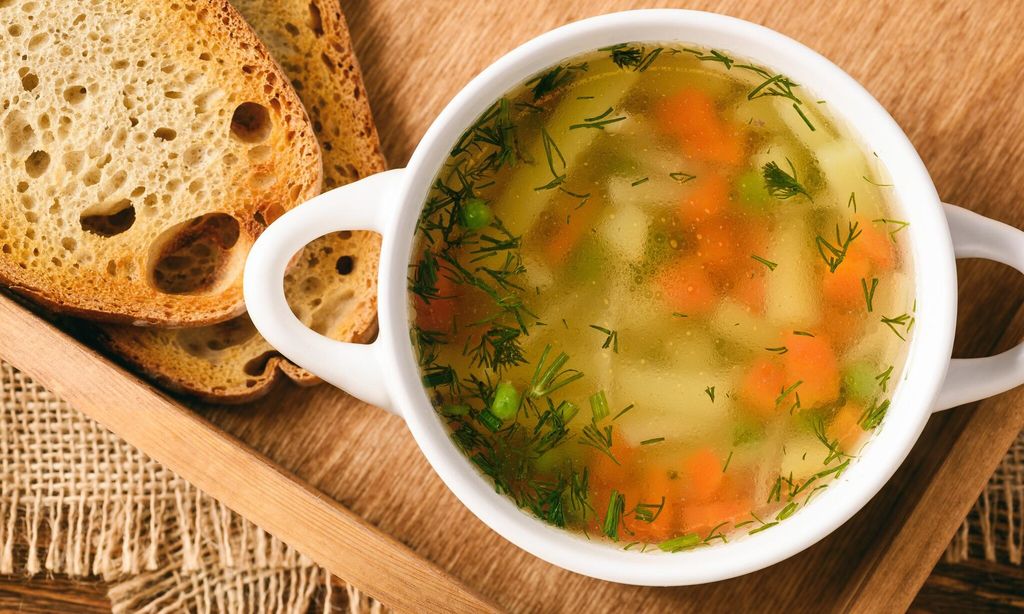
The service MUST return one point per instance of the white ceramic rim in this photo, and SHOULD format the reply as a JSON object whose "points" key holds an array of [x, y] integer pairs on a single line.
{"points": [[927, 360]]}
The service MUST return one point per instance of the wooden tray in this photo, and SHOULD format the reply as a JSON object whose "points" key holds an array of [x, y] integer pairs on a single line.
{"points": [[345, 484]]}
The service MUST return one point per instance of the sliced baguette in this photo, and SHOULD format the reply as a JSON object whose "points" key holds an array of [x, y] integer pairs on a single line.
{"points": [[145, 145], [332, 287]]}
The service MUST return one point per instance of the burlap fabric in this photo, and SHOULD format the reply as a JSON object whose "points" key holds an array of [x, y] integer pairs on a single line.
{"points": [[77, 500]]}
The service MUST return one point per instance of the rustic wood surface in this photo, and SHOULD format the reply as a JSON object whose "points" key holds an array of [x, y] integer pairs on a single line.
{"points": [[947, 71], [960, 106]]}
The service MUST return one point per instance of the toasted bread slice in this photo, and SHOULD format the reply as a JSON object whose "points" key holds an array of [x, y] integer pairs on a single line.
{"points": [[145, 145], [332, 287]]}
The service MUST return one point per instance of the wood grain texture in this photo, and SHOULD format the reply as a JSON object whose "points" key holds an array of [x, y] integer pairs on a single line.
{"points": [[57, 594], [416, 57], [227, 469], [958, 103]]}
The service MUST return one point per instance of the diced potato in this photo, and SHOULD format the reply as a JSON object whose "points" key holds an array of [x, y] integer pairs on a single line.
{"points": [[526, 202], [805, 455], [625, 231], [736, 323], [670, 403], [842, 161], [791, 299]]}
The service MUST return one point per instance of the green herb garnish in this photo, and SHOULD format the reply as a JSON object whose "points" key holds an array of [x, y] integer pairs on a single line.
{"points": [[648, 442], [546, 381], [899, 225], [710, 391], [559, 76], [883, 378], [903, 320], [611, 340], [768, 263], [682, 177], [613, 517], [869, 293], [598, 121], [833, 255], [874, 415], [782, 185]]}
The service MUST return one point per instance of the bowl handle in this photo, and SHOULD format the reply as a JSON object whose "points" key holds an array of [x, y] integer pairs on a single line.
{"points": [[363, 205], [972, 379]]}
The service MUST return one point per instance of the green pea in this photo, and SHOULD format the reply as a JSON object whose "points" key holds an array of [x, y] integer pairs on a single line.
{"points": [[475, 214], [859, 381], [751, 191], [506, 401]]}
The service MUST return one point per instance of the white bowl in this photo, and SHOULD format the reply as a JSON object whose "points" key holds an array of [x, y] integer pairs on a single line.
{"points": [[385, 373]]}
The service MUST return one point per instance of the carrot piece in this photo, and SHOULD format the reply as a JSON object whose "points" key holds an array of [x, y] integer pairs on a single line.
{"points": [[812, 361], [843, 286], [691, 117], [873, 244], [707, 198], [843, 325], [437, 315], [845, 426], [658, 482], [703, 471], [702, 517], [761, 386], [687, 288]]}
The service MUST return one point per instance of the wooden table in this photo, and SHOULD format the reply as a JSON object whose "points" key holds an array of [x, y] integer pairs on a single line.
{"points": [[947, 71]]}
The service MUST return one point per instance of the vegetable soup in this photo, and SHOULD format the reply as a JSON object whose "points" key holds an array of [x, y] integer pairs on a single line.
{"points": [[660, 296]]}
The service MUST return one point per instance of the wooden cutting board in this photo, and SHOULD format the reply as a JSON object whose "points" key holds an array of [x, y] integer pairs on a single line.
{"points": [[949, 72]]}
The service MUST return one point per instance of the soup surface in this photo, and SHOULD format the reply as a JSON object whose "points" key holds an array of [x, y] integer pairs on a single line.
{"points": [[660, 297]]}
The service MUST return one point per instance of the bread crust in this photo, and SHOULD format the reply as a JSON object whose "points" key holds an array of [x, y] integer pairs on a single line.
{"points": [[324, 71], [154, 133]]}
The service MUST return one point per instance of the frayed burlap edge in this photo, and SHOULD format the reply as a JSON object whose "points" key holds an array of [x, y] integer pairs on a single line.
{"points": [[994, 529], [78, 501]]}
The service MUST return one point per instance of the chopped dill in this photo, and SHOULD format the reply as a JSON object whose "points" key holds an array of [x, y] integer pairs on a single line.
{"points": [[713, 56], [598, 438], [648, 442], [874, 415], [499, 349], [640, 181], [624, 410], [869, 293], [764, 527], [648, 512], [883, 378], [802, 333], [635, 57], [676, 314], [800, 112], [899, 225], [833, 255], [682, 177], [551, 150], [559, 76], [880, 185], [727, 461], [852, 203], [584, 98], [786, 391], [834, 453], [598, 121], [768, 263], [710, 391], [778, 350], [611, 340], [903, 320], [783, 185]]}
